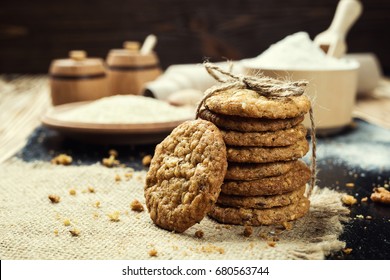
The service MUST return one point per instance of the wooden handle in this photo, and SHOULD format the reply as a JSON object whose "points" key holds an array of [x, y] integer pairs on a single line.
{"points": [[149, 44], [131, 45], [77, 55], [346, 14]]}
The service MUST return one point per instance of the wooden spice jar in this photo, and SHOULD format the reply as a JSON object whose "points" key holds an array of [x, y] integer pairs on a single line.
{"points": [[77, 78], [128, 70]]}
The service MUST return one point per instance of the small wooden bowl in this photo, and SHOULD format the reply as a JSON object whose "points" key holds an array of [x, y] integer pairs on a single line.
{"points": [[128, 70], [77, 78]]}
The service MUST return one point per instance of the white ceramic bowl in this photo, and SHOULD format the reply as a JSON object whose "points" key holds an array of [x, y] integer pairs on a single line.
{"points": [[332, 92]]}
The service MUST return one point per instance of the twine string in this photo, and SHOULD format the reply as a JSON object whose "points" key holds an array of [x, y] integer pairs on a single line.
{"points": [[265, 86]]}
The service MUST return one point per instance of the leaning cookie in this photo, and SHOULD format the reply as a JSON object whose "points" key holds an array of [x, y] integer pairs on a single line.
{"points": [[253, 171], [278, 138], [268, 154], [261, 202], [245, 124], [292, 180], [185, 175], [257, 217], [249, 103]]}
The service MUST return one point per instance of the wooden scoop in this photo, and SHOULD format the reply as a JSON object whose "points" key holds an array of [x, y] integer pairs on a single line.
{"points": [[332, 40]]}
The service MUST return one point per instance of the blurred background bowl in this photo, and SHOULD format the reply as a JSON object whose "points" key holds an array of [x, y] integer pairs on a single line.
{"points": [[332, 92]]}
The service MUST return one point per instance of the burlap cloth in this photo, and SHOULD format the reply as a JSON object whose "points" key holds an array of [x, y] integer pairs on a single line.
{"points": [[28, 221]]}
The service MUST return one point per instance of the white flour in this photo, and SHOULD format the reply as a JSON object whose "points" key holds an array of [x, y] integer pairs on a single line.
{"points": [[127, 109], [297, 52], [365, 148]]}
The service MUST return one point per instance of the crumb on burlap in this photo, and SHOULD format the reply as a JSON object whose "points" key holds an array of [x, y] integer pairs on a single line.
{"points": [[72, 192], [110, 161], [91, 189], [66, 222], [271, 243], [347, 251], [381, 195], [199, 234], [113, 153], [350, 185], [146, 160], [248, 231], [54, 198], [74, 232], [97, 204], [117, 178], [136, 206], [348, 200], [364, 199], [55, 232], [287, 225], [114, 216], [96, 215], [62, 159], [210, 248], [129, 175], [153, 253]]}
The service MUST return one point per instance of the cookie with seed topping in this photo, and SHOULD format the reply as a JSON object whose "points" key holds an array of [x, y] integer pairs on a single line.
{"points": [[244, 124], [257, 217], [249, 103], [185, 175], [268, 154], [253, 171], [278, 138], [292, 180]]}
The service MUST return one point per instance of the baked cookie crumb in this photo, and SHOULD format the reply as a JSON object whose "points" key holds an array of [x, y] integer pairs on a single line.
{"points": [[136, 206], [110, 161], [350, 185], [248, 230], [117, 178], [348, 200], [364, 199], [54, 198], [97, 204], [91, 189], [72, 192], [381, 195], [153, 253], [74, 232], [146, 160], [62, 159], [287, 225], [271, 243], [199, 234], [114, 216], [113, 153], [347, 251], [55, 232], [66, 222]]}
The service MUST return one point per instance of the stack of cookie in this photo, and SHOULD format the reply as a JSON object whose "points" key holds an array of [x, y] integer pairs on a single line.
{"points": [[265, 180]]}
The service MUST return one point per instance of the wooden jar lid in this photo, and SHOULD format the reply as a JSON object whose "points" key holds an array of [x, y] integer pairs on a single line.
{"points": [[78, 64], [129, 58]]}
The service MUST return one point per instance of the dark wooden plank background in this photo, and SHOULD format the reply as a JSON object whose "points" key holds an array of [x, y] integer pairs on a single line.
{"points": [[32, 33]]}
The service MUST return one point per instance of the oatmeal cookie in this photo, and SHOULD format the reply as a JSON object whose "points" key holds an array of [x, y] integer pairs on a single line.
{"points": [[261, 202], [292, 180], [253, 171], [285, 137], [249, 103], [244, 124], [268, 154], [185, 175], [257, 217]]}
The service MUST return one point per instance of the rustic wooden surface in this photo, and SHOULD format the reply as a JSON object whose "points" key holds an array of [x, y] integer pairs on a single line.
{"points": [[32, 33]]}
